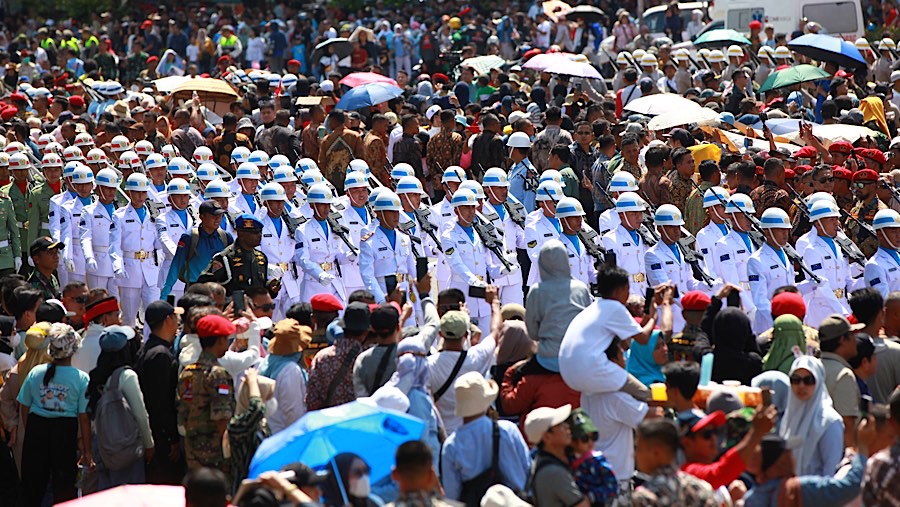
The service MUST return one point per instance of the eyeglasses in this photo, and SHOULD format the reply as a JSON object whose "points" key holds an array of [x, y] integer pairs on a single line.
{"points": [[806, 379], [80, 299], [826, 180], [268, 307]]}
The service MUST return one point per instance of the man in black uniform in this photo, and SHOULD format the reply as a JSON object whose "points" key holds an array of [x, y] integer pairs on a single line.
{"points": [[241, 265]]}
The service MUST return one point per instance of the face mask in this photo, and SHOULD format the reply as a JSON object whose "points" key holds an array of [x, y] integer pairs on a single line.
{"points": [[16, 339], [271, 406], [360, 487]]}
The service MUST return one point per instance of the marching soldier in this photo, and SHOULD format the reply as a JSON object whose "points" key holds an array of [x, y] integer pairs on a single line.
{"points": [[410, 192], [769, 268], [39, 198], [260, 159], [731, 253], [570, 215], [94, 231], [626, 241], [55, 214], [320, 252], [205, 173], [133, 246], [867, 205], [522, 170], [218, 191], [70, 220], [18, 190], [443, 218], [386, 260], [180, 168], [716, 229], [44, 254], [248, 178], [621, 181], [96, 159], [496, 187], [359, 220], [279, 246], [10, 246], [157, 167], [241, 265], [541, 225], [287, 178], [170, 226], [883, 269], [826, 260]]}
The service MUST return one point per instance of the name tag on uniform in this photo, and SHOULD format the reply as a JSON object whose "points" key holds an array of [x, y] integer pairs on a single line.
{"points": [[774, 267], [382, 249], [892, 270], [741, 251], [460, 242], [269, 236], [354, 223], [626, 244], [76, 214], [875, 281], [816, 267], [99, 216], [445, 214], [754, 278], [315, 239], [827, 257], [656, 266], [129, 221], [298, 245], [548, 235], [571, 256], [173, 225], [723, 258], [669, 262]]}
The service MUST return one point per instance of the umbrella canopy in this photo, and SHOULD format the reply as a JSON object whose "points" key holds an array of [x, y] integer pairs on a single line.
{"points": [[840, 132], [781, 126], [544, 60], [370, 35], [341, 47], [370, 432], [216, 94], [793, 75], [588, 13], [576, 69], [136, 495], [360, 78], [721, 37], [368, 95], [826, 48], [661, 103], [677, 118], [483, 64], [553, 8], [167, 84]]}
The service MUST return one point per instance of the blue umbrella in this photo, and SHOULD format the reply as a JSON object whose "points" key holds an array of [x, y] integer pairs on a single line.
{"points": [[781, 126], [368, 95], [371, 432], [826, 48]]}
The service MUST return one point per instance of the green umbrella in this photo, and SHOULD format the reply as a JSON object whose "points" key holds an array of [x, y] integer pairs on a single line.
{"points": [[793, 75], [722, 37]]}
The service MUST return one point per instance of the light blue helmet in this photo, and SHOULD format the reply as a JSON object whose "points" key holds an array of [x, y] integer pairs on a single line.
{"points": [[137, 182], [82, 174], [305, 164], [553, 175], [311, 177], [247, 171], [409, 185], [495, 177], [355, 179], [207, 172], [453, 173], [69, 168], [106, 178], [474, 186], [217, 188], [240, 155], [387, 200], [277, 161], [668, 214], [739, 202], [548, 191], [157, 161], [823, 208], [714, 196], [178, 165], [258, 158], [622, 181], [886, 218], [400, 170], [569, 207], [319, 193], [178, 186], [630, 201], [272, 192], [284, 174], [464, 197], [775, 218]]}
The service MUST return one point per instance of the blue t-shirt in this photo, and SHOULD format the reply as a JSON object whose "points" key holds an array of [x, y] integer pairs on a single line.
{"points": [[63, 396]]}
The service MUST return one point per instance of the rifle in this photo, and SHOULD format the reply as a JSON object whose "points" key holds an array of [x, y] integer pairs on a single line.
{"points": [[406, 228], [491, 239], [892, 189], [516, 212], [423, 216], [647, 229], [848, 248], [689, 254], [612, 58], [587, 238], [341, 230], [864, 226]]}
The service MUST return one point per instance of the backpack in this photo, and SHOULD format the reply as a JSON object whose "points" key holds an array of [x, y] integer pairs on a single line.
{"points": [[192, 251], [474, 489], [118, 435]]}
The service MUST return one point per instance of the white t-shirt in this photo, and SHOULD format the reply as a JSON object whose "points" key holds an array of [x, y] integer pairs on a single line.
{"points": [[479, 358], [582, 354], [193, 53], [616, 415], [542, 38]]}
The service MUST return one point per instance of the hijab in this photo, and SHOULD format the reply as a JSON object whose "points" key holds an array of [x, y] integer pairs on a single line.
{"points": [[412, 366], [780, 385], [515, 345], [37, 340], [872, 108], [166, 68], [786, 334], [806, 421], [640, 361], [731, 330]]}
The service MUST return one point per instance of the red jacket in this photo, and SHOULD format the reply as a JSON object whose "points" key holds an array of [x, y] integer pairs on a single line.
{"points": [[533, 391]]}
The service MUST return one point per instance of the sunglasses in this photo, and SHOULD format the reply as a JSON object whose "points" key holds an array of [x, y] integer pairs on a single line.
{"points": [[863, 184], [826, 180], [806, 379]]}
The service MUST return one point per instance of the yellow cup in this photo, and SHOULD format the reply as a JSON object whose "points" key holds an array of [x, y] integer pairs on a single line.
{"points": [[658, 392]]}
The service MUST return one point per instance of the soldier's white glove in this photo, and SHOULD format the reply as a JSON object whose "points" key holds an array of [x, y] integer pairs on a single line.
{"points": [[91, 265], [121, 274], [275, 272], [477, 283], [70, 265], [325, 278], [507, 271], [17, 262]]}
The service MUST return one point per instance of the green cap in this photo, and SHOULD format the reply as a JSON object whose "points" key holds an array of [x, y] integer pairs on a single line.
{"points": [[581, 425], [454, 325]]}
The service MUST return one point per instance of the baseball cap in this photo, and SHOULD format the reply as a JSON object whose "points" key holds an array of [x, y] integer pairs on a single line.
{"points": [[541, 419], [692, 423], [834, 326], [682, 136], [244, 123], [157, 311], [304, 475], [582, 426], [772, 446], [44, 244], [356, 318], [454, 325], [211, 208], [384, 318]]}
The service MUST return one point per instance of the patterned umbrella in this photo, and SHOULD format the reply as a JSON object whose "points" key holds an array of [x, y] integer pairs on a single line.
{"points": [[483, 64]]}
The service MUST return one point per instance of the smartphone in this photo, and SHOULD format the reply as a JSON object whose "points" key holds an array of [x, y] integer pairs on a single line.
{"points": [[649, 294], [763, 117], [734, 299], [477, 292], [746, 142], [675, 293], [864, 402], [610, 258], [766, 396], [390, 283], [421, 267], [238, 297], [170, 299], [578, 87], [402, 297]]}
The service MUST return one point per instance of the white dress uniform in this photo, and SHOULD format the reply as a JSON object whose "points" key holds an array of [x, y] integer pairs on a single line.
{"points": [[55, 229], [70, 218], [883, 271], [663, 266], [159, 197], [94, 236], [608, 221], [630, 254], [318, 252], [830, 295], [360, 224], [169, 227], [729, 262], [378, 258], [856, 280], [707, 238], [767, 272], [581, 265], [470, 264], [279, 249], [240, 203], [443, 217], [539, 229], [513, 237], [133, 246]]}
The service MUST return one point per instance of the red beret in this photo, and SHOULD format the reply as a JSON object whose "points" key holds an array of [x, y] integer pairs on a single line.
{"points": [[876, 155], [695, 300], [326, 303], [152, 59], [293, 62], [214, 325], [865, 175], [789, 174], [223, 59], [9, 113], [842, 173], [840, 147], [788, 303], [756, 25], [18, 96], [806, 152], [76, 101], [438, 77], [860, 152], [800, 169]]}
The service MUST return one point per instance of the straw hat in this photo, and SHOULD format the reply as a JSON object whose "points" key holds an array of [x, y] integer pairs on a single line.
{"points": [[474, 394]]}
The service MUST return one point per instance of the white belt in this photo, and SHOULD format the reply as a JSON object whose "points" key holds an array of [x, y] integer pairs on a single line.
{"points": [[100, 248], [45, 225], [19, 225], [4, 244]]}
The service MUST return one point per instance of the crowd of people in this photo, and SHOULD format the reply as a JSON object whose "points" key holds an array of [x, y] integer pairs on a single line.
{"points": [[583, 307]]}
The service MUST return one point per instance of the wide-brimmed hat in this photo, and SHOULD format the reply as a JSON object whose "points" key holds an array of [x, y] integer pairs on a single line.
{"points": [[474, 394]]}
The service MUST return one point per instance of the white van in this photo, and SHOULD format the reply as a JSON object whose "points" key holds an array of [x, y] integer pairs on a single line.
{"points": [[654, 18], [841, 18]]}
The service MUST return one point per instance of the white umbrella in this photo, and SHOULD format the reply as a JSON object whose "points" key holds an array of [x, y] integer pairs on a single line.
{"points": [[576, 69], [167, 84], [661, 103], [677, 118], [544, 60], [483, 64], [757, 142], [838, 132]]}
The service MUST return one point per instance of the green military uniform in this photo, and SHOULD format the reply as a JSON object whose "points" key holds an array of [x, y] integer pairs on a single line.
{"points": [[10, 239], [236, 268], [39, 211], [865, 212], [205, 397], [20, 206], [681, 345], [49, 287]]}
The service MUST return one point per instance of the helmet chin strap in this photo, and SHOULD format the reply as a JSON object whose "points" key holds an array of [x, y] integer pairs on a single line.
{"points": [[176, 207], [714, 211], [771, 236], [889, 242]]}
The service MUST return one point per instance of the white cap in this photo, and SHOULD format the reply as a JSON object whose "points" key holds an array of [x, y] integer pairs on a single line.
{"points": [[541, 419], [356, 179], [326, 86], [387, 200], [431, 111], [178, 186]]}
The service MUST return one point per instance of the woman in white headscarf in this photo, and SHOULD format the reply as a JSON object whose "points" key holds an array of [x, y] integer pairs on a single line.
{"points": [[170, 64], [411, 377], [810, 423]]}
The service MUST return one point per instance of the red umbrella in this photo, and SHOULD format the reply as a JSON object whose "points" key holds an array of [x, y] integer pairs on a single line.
{"points": [[132, 496], [360, 78]]}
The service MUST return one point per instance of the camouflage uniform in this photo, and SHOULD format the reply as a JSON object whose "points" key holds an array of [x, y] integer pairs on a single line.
{"points": [[236, 269], [681, 346], [865, 212], [49, 287], [39, 212], [10, 241], [670, 486], [205, 398], [20, 205]]}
